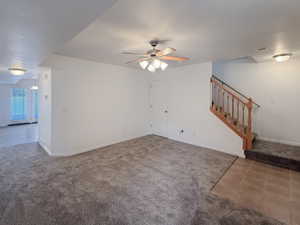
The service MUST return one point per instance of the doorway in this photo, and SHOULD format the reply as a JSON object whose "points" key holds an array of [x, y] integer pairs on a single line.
{"points": [[159, 108], [19, 114], [24, 105]]}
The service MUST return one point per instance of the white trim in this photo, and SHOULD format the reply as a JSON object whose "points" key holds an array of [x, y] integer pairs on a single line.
{"points": [[95, 147], [280, 141], [46, 149], [240, 154]]}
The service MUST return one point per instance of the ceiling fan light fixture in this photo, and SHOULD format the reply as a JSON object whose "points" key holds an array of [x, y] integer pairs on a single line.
{"points": [[144, 64], [151, 59], [156, 63], [163, 65], [16, 71], [282, 57], [151, 68]]}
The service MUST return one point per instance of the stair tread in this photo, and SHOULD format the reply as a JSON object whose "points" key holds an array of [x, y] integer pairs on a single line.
{"points": [[277, 154]]}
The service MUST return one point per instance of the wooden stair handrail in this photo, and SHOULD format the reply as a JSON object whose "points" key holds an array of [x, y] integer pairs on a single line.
{"points": [[228, 91], [231, 88], [228, 110]]}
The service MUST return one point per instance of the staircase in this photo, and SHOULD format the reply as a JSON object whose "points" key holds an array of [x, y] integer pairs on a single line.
{"points": [[275, 154], [234, 109]]}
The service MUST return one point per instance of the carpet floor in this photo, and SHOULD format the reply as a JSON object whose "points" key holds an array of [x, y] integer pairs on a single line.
{"points": [[145, 181]]}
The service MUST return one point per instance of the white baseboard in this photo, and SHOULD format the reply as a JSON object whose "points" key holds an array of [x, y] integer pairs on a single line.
{"points": [[280, 141], [94, 147], [240, 154], [44, 146]]}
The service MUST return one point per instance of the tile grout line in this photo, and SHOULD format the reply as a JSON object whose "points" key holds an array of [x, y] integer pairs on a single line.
{"points": [[220, 178]]}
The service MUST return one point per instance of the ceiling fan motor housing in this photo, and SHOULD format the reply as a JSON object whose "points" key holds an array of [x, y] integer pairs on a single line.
{"points": [[153, 52], [154, 43]]}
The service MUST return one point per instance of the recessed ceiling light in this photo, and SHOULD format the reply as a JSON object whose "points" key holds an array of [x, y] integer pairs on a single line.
{"points": [[282, 57], [17, 71]]}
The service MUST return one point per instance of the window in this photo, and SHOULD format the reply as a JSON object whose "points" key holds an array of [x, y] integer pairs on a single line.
{"points": [[35, 98], [18, 104]]}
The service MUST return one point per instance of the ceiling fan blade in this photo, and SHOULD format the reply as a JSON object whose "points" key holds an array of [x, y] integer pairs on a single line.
{"points": [[174, 58], [166, 51], [137, 60], [133, 53]]}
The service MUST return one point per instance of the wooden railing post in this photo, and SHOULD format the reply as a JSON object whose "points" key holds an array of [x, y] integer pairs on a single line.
{"points": [[249, 125], [211, 92]]}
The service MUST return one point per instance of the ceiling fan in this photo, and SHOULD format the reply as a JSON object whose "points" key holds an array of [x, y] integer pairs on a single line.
{"points": [[152, 59]]}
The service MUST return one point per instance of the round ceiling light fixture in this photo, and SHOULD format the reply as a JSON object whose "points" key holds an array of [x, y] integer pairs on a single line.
{"points": [[17, 71], [282, 57], [34, 88]]}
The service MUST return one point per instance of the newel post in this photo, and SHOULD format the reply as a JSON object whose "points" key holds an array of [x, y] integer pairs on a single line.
{"points": [[249, 127], [212, 92]]}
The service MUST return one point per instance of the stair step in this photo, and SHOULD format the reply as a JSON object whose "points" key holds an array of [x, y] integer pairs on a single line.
{"points": [[276, 154]]}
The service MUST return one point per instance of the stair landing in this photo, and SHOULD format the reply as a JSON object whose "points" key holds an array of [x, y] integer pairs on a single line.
{"points": [[275, 154]]}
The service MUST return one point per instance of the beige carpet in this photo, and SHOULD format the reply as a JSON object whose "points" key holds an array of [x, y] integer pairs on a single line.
{"points": [[149, 180]]}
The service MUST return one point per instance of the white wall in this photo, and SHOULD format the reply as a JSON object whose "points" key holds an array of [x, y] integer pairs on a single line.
{"points": [[5, 93], [186, 91], [275, 86], [95, 104], [45, 106]]}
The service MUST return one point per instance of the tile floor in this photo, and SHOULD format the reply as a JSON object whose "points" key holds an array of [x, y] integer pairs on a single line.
{"points": [[21, 134], [273, 191]]}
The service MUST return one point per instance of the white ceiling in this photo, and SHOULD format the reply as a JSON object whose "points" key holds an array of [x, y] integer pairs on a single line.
{"points": [[202, 30], [100, 29], [31, 29]]}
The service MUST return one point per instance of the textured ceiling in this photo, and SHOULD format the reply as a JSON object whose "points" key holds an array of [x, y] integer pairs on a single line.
{"points": [[202, 30], [99, 30], [32, 29]]}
